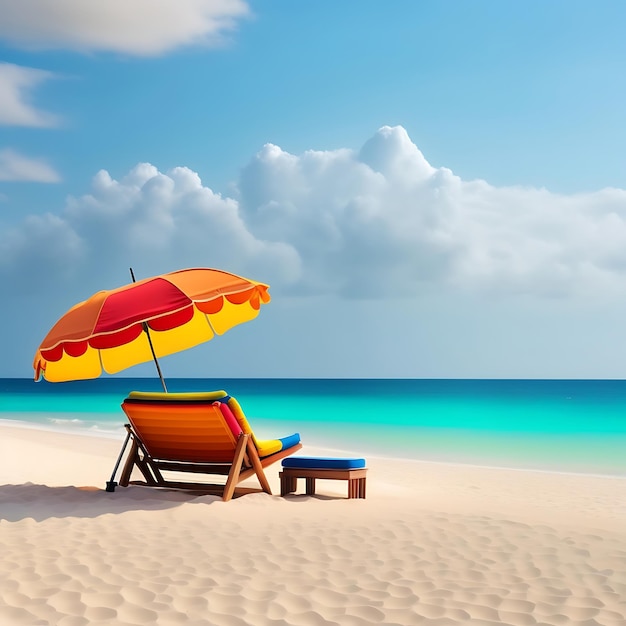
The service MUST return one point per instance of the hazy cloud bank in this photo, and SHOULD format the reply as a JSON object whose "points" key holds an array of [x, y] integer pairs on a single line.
{"points": [[140, 27], [17, 167], [16, 83], [371, 223]]}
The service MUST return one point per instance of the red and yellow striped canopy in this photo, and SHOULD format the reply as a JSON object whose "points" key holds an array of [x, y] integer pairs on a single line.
{"points": [[182, 309]]}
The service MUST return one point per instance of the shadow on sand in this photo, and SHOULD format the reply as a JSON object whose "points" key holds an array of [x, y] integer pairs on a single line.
{"points": [[40, 502]]}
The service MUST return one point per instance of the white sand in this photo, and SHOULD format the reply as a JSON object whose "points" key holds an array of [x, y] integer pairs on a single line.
{"points": [[432, 544]]}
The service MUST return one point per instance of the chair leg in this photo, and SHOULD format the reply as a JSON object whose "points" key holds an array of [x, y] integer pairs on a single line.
{"points": [[253, 455], [128, 466], [139, 456], [233, 475]]}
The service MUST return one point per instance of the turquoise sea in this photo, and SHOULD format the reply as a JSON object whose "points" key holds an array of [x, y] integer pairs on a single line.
{"points": [[561, 425]]}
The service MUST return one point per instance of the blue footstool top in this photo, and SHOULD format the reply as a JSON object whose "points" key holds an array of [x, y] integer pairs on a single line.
{"points": [[313, 462]]}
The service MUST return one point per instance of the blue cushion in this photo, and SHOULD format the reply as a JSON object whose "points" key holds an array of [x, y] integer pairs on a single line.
{"points": [[312, 462], [290, 441]]}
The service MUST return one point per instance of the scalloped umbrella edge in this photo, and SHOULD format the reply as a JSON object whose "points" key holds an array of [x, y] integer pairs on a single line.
{"points": [[144, 320]]}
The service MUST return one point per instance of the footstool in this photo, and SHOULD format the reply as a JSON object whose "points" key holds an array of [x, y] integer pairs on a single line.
{"points": [[310, 468]]}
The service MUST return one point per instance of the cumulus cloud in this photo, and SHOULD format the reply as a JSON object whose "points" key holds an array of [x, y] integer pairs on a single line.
{"points": [[149, 220], [16, 83], [17, 167], [140, 27], [383, 221], [376, 222]]}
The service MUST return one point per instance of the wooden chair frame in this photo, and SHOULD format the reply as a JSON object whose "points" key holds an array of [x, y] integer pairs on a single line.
{"points": [[245, 463]]}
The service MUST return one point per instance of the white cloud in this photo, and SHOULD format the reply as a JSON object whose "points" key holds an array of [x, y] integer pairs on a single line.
{"points": [[16, 82], [384, 221], [372, 223], [148, 220], [138, 27], [17, 167]]}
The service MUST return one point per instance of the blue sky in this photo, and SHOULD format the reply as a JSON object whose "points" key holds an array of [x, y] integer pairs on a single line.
{"points": [[431, 189]]}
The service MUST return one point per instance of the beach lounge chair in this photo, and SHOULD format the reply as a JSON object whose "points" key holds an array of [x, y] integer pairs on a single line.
{"points": [[199, 433]]}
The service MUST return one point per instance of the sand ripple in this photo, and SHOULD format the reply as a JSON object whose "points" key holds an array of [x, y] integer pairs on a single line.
{"points": [[418, 569]]}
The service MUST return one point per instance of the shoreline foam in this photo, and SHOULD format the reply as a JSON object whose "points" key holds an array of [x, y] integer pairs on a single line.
{"points": [[120, 433]]}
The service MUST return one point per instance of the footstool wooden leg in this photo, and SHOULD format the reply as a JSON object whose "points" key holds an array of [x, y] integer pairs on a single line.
{"points": [[362, 487], [310, 486], [288, 484]]}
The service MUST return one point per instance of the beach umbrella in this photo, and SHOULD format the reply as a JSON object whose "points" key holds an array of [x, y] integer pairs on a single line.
{"points": [[143, 320]]}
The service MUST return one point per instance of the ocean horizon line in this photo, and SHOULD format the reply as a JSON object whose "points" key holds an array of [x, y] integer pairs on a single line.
{"points": [[410, 378]]}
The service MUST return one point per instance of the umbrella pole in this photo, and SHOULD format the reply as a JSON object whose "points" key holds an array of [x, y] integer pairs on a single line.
{"points": [[156, 362], [147, 331]]}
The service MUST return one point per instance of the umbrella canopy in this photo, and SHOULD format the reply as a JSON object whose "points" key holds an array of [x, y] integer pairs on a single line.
{"points": [[150, 318]]}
